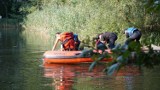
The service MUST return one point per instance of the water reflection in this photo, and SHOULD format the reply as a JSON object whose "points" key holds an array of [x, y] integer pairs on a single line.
{"points": [[67, 77], [129, 70], [64, 75], [129, 77]]}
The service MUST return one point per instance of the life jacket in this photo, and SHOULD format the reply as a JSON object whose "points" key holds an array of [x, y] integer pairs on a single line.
{"points": [[131, 30], [67, 40]]}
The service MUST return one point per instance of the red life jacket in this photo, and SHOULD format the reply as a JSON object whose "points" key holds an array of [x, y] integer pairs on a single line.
{"points": [[67, 41]]}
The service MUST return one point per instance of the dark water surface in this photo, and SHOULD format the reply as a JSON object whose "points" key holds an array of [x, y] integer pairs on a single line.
{"points": [[21, 69]]}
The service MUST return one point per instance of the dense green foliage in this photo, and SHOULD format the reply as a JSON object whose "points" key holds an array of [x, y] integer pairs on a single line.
{"points": [[10, 8], [85, 17], [133, 55], [89, 17]]}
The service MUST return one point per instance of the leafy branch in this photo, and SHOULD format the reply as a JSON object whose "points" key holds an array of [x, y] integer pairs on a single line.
{"points": [[123, 55]]}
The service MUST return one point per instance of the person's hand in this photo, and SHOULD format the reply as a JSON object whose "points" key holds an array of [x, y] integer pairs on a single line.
{"points": [[108, 50], [100, 51], [95, 51]]}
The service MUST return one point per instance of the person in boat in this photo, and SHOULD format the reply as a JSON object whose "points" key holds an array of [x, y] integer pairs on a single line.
{"points": [[77, 41], [97, 41], [100, 47], [109, 38], [67, 41], [132, 34], [98, 44], [68, 36]]}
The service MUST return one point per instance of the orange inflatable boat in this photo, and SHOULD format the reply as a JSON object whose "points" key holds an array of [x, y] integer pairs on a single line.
{"points": [[70, 57]]}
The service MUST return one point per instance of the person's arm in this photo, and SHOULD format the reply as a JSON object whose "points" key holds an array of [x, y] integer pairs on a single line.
{"points": [[55, 44]]}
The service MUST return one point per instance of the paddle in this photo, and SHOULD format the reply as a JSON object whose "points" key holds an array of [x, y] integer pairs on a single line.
{"points": [[55, 44]]}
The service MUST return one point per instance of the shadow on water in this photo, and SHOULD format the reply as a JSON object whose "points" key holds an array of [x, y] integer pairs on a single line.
{"points": [[21, 69]]}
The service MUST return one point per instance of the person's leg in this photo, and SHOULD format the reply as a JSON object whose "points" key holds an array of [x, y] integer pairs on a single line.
{"points": [[128, 41], [111, 43], [138, 37], [112, 40], [77, 45]]}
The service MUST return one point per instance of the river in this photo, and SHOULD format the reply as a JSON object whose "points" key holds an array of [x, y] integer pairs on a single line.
{"points": [[21, 69]]}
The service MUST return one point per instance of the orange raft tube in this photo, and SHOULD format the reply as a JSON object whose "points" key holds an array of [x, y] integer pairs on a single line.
{"points": [[64, 57]]}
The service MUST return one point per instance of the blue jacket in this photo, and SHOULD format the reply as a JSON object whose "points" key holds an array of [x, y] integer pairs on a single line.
{"points": [[131, 30], [75, 36]]}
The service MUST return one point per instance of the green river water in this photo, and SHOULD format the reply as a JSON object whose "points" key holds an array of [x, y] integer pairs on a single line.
{"points": [[21, 69]]}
